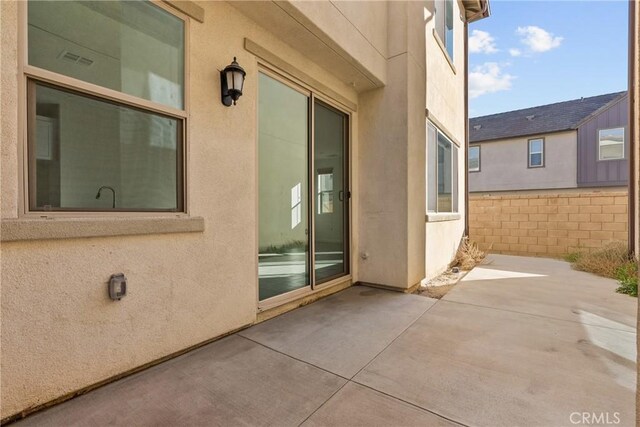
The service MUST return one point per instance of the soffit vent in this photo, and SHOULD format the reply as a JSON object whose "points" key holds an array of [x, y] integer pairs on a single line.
{"points": [[74, 58]]}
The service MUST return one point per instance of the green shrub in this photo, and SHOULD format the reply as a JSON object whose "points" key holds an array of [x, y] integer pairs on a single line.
{"points": [[627, 275], [572, 257]]}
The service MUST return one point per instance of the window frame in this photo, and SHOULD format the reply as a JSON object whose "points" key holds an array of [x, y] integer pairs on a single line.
{"points": [[529, 153], [314, 94], [479, 158], [455, 182], [29, 74], [624, 154], [440, 25]]}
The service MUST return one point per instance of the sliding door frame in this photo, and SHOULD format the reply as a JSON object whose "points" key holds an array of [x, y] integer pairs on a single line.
{"points": [[312, 96]]}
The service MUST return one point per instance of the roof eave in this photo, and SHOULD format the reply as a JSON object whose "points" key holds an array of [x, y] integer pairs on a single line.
{"points": [[475, 10]]}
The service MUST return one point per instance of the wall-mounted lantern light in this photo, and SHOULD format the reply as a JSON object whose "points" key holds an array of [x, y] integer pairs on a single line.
{"points": [[232, 80]]}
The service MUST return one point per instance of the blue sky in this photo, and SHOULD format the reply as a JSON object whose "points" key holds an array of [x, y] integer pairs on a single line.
{"points": [[530, 53]]}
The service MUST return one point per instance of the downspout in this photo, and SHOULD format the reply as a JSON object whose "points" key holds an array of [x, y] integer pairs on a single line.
{"points": [[633, 64], [472, 18], [466, 128]]}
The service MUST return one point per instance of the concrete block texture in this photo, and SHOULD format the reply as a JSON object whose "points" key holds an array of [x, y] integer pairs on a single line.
{"points": [[590, 219]]}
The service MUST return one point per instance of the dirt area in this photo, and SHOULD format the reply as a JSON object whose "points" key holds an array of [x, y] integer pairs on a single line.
{"points": [[440, 285]]}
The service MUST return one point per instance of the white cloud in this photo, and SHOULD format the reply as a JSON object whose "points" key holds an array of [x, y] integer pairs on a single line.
{"points": [[537, 39], [488, 78], [481, 42], [515, 52]]}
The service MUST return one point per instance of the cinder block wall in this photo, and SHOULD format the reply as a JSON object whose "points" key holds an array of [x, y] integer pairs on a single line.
{"points": [[549, 224]]}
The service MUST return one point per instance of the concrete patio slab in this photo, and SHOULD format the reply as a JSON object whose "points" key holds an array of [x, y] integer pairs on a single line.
{"points": [[488, 367], [344, 332], [546, 287], [522, 341], [355, 405], [231, 382]]}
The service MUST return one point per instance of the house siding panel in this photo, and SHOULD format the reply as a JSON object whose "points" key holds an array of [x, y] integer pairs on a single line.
{"points": [[591, 171]]}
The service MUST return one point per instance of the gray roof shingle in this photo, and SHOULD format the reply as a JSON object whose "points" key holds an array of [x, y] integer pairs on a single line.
{"points": [[538, 120]]}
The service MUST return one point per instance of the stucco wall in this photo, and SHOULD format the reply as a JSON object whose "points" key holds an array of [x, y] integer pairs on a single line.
{"points": [[445, 105], [60, 332], [503, 164]]}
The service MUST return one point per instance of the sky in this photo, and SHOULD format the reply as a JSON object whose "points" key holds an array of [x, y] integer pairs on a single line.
{"points": [[530, 53]]}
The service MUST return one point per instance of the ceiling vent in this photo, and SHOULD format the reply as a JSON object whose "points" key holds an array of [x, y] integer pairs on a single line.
{"points": [[530, 117], [74, 58]]}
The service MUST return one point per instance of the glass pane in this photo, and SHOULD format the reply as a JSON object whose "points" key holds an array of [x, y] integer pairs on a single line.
{"points": [[444, 174], [535, 146], [130, 46], [448, 42], [283, 199], [432, 143], [536, 159], [95, 155], [331, 186], [474, 158], [454, 179], [611, 144]]}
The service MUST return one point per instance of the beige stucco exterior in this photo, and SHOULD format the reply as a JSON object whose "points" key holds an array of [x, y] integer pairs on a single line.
{"points": [[193, 276], [443, 99]]}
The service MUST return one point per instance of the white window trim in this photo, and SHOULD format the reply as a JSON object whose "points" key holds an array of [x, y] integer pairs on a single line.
{"points": [[529, 153], [479, 157], [600, 159], [35, 74], [444, 215]]}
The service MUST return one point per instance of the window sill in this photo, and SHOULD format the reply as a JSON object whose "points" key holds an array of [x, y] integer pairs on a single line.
{"points": [[67, 228], [442, 216], [444, 51]]}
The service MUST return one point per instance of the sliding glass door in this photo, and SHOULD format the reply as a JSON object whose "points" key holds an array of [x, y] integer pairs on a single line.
{"points": [[283, 227], [303, 189], [330, 142]]}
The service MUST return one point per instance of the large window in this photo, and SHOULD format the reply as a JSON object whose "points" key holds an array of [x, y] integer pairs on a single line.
{"points": [[444, 24], [105, 106], [474, 158], [611, 144], [442, 172], [536, 153]]}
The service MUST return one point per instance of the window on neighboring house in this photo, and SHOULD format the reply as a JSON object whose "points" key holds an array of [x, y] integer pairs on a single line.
{"points": [[444, 24], [442, 172], [105, 106], [474, 158], [611, 144], [536, 153]]}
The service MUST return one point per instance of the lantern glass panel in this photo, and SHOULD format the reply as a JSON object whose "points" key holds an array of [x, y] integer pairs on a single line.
{"points": [[238, 80], [229, 77]]}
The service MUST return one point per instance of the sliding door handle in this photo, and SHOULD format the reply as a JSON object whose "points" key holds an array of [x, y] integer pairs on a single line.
{"points": [[341, 195]]}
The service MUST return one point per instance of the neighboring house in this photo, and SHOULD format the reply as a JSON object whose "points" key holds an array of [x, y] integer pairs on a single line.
{"points": [[551, 180], [120, 154], [572, 144]]}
